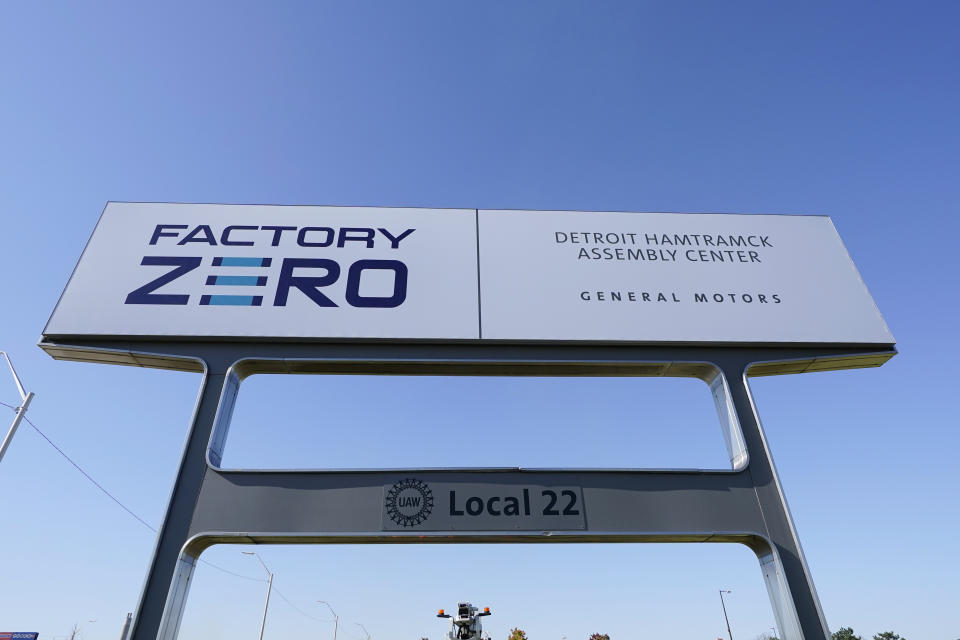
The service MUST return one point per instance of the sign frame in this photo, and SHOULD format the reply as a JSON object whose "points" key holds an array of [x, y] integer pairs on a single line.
{"points": [[210, 505]]}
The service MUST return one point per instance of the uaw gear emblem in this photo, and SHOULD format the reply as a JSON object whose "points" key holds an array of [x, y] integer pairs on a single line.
{"points": [[409, 502]]}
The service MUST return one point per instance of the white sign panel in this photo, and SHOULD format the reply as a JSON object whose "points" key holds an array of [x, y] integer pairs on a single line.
{"points": [[273, 271], [374, 273], [659, 277]]}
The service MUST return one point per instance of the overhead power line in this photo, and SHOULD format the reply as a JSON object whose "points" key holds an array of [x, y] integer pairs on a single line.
{"points": [[147, 524], [85, 474], [306, 615], [88, 477]]}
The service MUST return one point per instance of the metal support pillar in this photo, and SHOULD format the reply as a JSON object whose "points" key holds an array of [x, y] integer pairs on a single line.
{"points": [[796, 607], [169, 576]]}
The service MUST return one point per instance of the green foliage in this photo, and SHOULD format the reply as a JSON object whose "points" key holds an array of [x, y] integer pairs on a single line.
{"points": [[845, 633], [517, 634], [600, 636], [887, 635]]}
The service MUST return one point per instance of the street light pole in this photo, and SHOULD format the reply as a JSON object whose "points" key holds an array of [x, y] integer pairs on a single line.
{"points": [[336, 620], [25, 398], [126, 627], [725, 612], [364, 629], [266, 606]]}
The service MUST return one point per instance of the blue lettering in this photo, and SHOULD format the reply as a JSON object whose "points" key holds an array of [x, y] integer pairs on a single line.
{"points": [[302, 237], [201, 230], [225, 236], [365, 236], [159, 233], [395, 240], [145, 295], [385, 302], [307, 285], [277, 232]]}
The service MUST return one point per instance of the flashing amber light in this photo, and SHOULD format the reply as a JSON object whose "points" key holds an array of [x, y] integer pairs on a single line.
{"points": [[440, 613], [486, 609]]}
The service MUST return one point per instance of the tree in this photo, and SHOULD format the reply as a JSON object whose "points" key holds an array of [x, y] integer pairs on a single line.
{"points": [[517, 634], [845, 633], [600, 636], [887, 635]]}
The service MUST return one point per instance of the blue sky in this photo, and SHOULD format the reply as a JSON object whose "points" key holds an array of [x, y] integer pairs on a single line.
{"points": [[845, 109]]}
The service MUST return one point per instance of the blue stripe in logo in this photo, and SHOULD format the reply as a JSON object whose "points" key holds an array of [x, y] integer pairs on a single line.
{"points": [[233, 261], [237, 281], [233, 301]]}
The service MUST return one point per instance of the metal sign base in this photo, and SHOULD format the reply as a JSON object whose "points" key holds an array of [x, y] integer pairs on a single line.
{"points": [[210, 505]]}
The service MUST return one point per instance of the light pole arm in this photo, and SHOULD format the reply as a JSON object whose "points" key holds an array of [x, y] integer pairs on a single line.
{"points": [[21, 412], [336, 620], [16, 378], [263, 623], [263, 564]]}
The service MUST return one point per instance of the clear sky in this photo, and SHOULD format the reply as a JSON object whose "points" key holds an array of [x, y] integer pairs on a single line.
{"points": [[847, 109]]}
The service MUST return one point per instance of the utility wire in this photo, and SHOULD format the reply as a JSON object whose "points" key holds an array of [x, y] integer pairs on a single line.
{"points": [[148, 525], [87, 475], [298, 610], [236, 575], [114, 498]]}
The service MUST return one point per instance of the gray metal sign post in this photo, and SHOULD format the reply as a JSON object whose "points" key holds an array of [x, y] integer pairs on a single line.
{"points": [[211, 505]]}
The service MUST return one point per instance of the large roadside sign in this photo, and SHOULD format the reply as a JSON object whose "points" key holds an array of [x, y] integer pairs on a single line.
{"points": [[235, 290], [306, 272]]}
